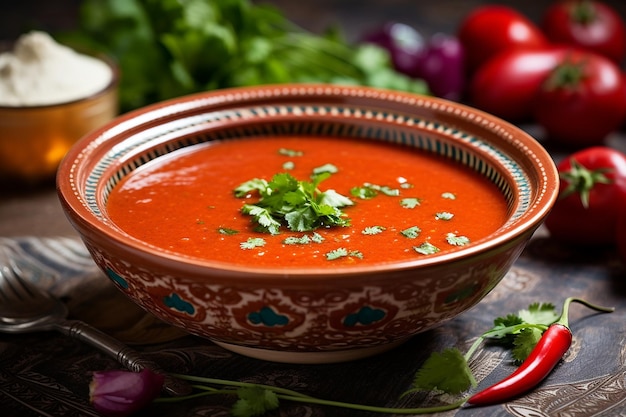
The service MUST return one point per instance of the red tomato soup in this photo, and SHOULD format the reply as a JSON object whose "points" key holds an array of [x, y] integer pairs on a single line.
{"points": [[406, 204]]}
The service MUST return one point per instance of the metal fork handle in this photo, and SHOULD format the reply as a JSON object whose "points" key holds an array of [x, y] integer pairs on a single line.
{"points": [[125, 355]]}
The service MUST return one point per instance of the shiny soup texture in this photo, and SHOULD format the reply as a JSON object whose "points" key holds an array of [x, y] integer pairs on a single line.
{"points": [[294, 202]]}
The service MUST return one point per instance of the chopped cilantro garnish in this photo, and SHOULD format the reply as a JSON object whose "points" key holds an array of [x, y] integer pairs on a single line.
{"points": [[364, 193], [342, 253], [444, 215], [293, 240], [252, 242], [426, 249], [406, 185], [411, 232], [455, 240], [298, 204], [288, 166], [227, 231], [330, 168], [304, 239], [373, 230], [336, 254], [289, 152], [317, 238], [410, 202]]}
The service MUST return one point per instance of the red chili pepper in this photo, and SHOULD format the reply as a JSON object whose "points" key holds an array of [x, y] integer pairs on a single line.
{"points": [[553, 344]]}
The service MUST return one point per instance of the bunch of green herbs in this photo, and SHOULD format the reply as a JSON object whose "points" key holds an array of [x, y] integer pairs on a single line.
{"points": [[169, 48]]}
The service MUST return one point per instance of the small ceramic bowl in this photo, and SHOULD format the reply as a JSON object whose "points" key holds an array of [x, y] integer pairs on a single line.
{"points": [[220, 302], [34, 139]]}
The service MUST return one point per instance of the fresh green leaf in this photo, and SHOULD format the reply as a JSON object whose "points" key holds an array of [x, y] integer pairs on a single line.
{"points": [[290, 152], [250, 186], [227, 231], [254, 401], [304, 239], [299, 204], [525, 342], [364, 193], [330, 168], [373, 230], [411, 232], [446, 371], [444, 215], [252, 242], [539, 313], [336, 254], [455, 240], [410, 202], [426, 248], [169, 48]]}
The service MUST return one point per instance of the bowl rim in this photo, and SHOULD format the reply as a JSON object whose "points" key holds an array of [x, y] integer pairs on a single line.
{"points": [[149, 116]]}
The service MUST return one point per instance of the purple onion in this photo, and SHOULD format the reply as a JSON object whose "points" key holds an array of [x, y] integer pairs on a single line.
{"points": [[403, 43], [439, 62], [121, 393], [441, 66]]}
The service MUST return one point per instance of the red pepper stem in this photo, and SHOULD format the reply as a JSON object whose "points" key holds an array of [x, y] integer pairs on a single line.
{"points": [[563, 319]]}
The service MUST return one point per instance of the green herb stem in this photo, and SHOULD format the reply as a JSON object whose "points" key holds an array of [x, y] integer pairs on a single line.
{"points": [[375, 409], [294, 396]]}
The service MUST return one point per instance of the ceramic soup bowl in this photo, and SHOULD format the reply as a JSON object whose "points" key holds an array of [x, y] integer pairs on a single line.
{"points": [[308, 314]]}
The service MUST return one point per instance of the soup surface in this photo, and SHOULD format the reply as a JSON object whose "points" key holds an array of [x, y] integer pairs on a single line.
{"points": [[404, 203]]}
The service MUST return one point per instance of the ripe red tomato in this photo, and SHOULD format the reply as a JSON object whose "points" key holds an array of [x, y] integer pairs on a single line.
{"points": [[505, 86], [491, 29], [582, 100], [593, 190], [591, 25]]}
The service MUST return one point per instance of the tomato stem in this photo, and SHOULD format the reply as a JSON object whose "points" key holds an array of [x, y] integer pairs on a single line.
{"points": [[583, 12], [582, 180]]}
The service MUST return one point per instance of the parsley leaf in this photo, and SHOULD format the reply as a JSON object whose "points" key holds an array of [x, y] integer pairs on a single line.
{"points": [[252, 242], [446, 371], [300, 205], [343, 253], [227, 231], [455, 240], [364, 193], [444, 215], [426, 248], [254, 401], [289, 152], [410, 202], [525, 342], [412, 232], [336, 254], [539, 313], [330, 168], [373, 230], [304, 239]]}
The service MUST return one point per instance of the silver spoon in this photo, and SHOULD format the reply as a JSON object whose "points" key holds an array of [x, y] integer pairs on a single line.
{"points": [[25, 308]]}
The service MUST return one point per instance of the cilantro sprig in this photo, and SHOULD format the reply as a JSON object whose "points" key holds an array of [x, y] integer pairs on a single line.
{"points": [[447, 372], [300, 205]]}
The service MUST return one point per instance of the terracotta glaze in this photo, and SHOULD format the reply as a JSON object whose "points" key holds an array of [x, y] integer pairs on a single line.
{"points": [[307, 313]]}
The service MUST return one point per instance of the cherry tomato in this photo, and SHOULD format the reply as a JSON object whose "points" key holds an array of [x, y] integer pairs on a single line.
{"points": [[591, 25], [582, 100], [592, 192], [491, 29], [505, 86]]}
